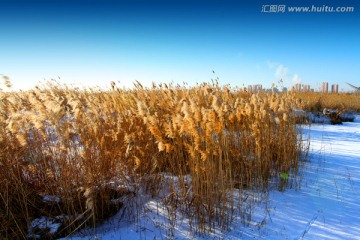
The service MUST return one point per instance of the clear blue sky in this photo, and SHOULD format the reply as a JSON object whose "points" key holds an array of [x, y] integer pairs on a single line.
{"points": [[95, 42]]}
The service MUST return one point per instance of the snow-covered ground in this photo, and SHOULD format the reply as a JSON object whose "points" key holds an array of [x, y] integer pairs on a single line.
{"points": [[326, 206]]}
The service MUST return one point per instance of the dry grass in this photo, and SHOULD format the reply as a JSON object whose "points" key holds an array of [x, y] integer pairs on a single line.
{"points": [[72, 143], [316, 102]]}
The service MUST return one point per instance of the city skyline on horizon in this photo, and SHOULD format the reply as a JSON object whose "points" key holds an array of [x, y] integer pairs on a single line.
{"points": [[325, 87]]}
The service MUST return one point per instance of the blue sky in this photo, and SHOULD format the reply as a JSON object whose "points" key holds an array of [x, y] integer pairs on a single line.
{"points": [[95, 42]]}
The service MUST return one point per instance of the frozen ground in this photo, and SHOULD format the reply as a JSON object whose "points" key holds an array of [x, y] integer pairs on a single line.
{"points": [[326, 206]]}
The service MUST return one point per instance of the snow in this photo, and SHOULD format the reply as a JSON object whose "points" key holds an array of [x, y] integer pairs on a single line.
{"points": [[321, 117], [51, 199], [325, 206], [43, 224]]}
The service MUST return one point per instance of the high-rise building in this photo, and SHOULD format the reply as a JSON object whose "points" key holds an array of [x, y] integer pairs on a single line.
{"points": [[335, 88], [255, 88], [298, 87], [249, 88], [306, 88], [325, 87]]}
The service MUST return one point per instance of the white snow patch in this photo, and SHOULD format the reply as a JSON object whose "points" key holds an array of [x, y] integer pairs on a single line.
{"points": [[43, 223], [51, 199]]}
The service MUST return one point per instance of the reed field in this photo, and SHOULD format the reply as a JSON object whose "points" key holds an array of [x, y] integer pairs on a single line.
{"points": [[70, 154], [316, 102]]}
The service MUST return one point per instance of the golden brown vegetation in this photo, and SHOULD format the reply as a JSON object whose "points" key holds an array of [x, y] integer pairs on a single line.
{"points": [[316, 102], [72, 143]]}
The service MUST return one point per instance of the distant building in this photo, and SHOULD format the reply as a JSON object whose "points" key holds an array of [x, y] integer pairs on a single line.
{"points": [[255, 88], [335, 88], [306, 88], [258, 87], [298, 87], [325, 87], [275, 89]]}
